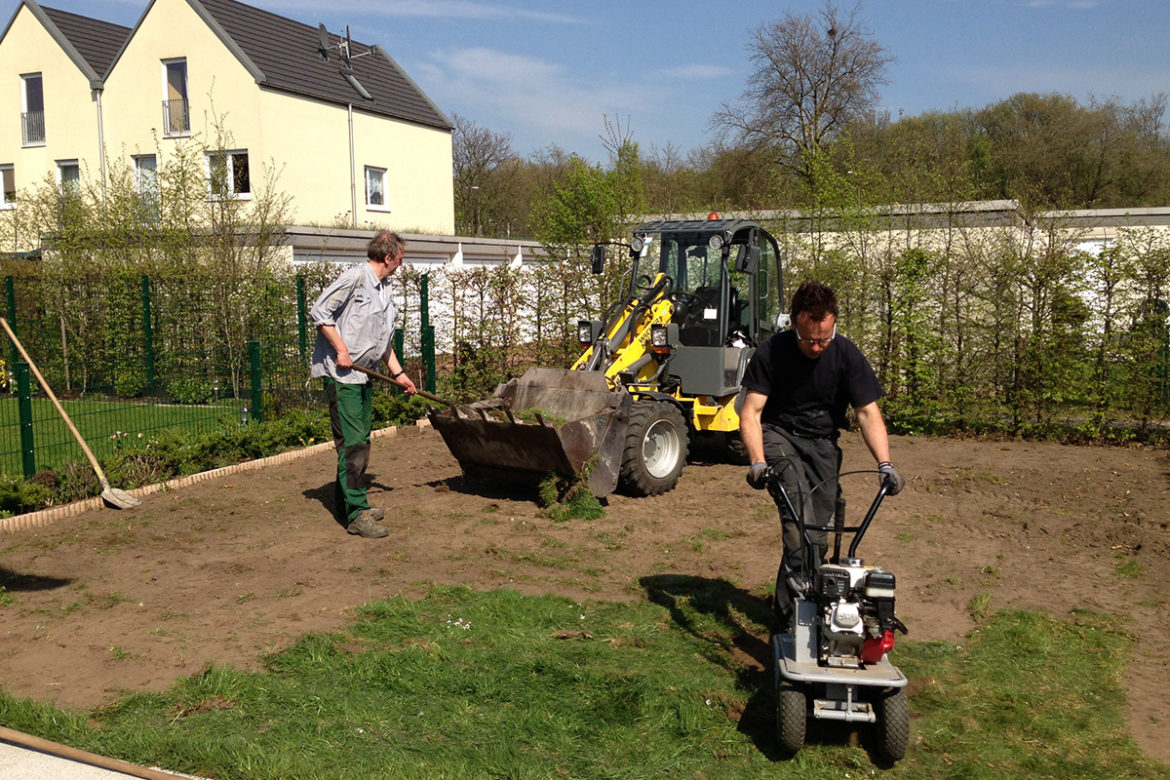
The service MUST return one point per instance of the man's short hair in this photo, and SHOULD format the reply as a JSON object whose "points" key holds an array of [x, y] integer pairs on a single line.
{"points": [[385, 244], [814, 299]]}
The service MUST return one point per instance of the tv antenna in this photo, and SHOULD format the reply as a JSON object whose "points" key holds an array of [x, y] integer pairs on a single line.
{"points": [[344, 47]]}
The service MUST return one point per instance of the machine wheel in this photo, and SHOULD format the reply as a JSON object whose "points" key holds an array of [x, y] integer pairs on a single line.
{"points": [[893, 724], [656, 448], [791, 717]]}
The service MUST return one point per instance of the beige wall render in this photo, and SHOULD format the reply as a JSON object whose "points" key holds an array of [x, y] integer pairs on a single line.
{"points": [[70, 105]]}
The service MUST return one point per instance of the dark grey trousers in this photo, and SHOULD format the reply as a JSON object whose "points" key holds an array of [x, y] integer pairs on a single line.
{"points": [[807, 467]]}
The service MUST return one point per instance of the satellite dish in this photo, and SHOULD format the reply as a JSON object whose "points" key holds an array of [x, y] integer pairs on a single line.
{"points": [[345, 53], [323, 41]]}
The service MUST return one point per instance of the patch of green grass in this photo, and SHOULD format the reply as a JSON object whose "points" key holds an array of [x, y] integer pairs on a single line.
{"points": [[1128, 569], [978, 605], [466, 685], [6, 598]]}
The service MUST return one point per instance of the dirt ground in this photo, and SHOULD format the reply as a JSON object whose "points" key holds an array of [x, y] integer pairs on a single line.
{"points": [[231, 568]]}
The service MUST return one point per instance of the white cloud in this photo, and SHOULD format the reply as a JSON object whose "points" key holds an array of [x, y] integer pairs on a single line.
{"points": [[697, 72], [505, 91]]}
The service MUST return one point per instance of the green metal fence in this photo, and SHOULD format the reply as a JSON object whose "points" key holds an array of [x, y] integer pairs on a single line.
{"points": [[133, 356]]}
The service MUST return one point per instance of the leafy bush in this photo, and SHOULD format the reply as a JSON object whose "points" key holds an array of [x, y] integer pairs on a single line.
{"points": [[130, 383], [170, 453], [396, 408], [190, 391], [18, 496]]}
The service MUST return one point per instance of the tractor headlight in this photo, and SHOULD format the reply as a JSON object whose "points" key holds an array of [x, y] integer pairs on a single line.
{"points": [[588, 331], [659, 339]]}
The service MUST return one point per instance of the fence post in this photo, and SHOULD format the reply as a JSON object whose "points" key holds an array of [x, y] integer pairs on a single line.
{"points": [[10, 298], [147, 333], [24, 406], [302, 317], [257, 388], [428, 333]]}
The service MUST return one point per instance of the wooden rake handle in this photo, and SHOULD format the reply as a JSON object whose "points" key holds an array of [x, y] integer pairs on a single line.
{"points": [[423, 393], [60, 409]]}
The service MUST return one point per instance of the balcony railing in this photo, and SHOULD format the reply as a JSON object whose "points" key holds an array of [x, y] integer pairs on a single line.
{"points": [[176, 118], [32, 128]]}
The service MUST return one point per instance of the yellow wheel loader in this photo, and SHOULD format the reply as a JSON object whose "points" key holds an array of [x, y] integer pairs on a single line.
{"points": [[663, 366]]}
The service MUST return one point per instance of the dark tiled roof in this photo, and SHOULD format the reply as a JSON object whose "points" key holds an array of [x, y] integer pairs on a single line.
{"points": [[284, 54], [94, 40]]}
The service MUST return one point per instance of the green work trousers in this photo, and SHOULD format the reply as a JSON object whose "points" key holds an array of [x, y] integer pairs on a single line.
{"points": [[350, 412]]}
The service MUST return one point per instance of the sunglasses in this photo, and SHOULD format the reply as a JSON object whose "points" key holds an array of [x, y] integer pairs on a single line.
{"points": [[815, 342]]}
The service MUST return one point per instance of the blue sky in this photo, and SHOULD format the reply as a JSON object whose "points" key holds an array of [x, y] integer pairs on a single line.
{"points": [[548, 72]]}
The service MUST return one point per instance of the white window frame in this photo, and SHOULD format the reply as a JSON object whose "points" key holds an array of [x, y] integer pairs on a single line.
{"points": [[140, 176], [5, 201], [62, 165], [146, 185], [381, 174], [24, 110], [228, 155], [169, 132]]}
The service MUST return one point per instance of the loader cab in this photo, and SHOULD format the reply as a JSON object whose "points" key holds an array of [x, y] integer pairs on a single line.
{"points": [[727, 293], [726, 283]]}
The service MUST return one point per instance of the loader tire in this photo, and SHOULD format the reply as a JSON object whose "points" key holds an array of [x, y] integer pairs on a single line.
{"points": [[656, 449]]}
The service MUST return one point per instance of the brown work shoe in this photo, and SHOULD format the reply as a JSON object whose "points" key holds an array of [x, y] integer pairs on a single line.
{"points": [[366, 524]]}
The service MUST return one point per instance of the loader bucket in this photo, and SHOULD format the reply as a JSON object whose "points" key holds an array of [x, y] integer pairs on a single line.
{"points": [[549, 420]]}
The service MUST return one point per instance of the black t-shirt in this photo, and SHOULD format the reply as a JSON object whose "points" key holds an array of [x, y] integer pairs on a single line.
{"points": [[806, 395]]}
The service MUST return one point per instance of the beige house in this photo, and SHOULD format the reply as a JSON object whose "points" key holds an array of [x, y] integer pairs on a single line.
{"points": [[335, 124]]}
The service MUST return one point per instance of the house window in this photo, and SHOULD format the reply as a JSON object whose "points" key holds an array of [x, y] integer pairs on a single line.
{"points": [[227, 174], [146, 183], [69, 176], [376, 189], [8, 175], [146, 174], [32, 117], [176, 110]]}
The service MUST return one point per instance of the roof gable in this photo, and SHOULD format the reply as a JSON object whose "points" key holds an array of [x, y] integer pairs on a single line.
{"points": [[285, 55], [96, 41], [91, 43]]}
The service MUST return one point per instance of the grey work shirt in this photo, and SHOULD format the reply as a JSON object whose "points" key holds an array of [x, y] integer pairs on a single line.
{"points": [[361, 309]]}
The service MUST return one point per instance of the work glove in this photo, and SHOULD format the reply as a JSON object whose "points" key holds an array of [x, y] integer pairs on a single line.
{"points": [[891, 477], [757, 475]]}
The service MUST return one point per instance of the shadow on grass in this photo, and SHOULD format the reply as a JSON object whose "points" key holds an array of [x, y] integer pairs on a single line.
{"points": [[13, 582], [749, 618], [749, 655]]}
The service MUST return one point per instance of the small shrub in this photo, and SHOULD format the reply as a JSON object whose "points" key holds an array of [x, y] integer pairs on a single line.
{"points": [[191, 391], [18, 496], [398, 409], [130, 383]]}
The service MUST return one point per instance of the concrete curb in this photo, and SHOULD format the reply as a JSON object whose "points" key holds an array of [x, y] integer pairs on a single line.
{"points": [[44, 517]]}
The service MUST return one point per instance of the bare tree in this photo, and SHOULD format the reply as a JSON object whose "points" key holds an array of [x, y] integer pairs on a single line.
{"points": [[485, 173], [813, 74]]}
